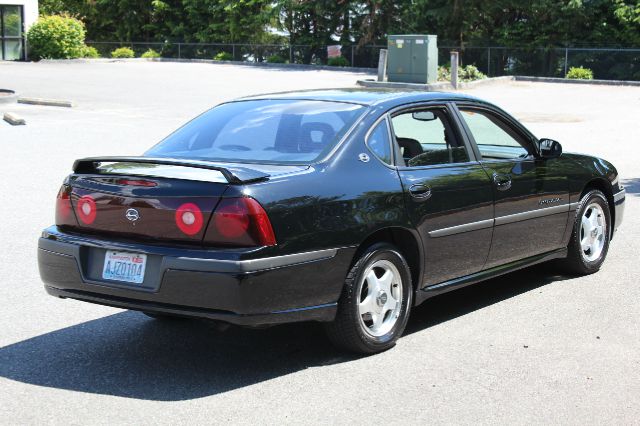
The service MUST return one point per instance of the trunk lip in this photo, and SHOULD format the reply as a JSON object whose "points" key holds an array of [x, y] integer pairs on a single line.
{"points": [[232, 173], [88, 182]]}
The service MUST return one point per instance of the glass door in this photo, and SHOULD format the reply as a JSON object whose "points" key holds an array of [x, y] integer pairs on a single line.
{"points": [[11, 29]]}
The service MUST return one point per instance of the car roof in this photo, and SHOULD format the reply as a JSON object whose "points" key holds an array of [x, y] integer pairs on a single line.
{"points": [[364, 96]]}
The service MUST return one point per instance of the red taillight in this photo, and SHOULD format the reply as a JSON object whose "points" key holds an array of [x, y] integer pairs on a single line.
{"points": [[189, 218], [86, 209], [231, 219], [240, 222], [63, 207]]}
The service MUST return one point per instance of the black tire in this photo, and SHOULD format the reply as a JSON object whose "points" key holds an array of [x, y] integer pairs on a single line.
{"points": [[576, 261], [348, 331]]}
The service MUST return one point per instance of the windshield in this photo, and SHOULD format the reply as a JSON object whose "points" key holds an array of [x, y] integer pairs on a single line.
{"points": [[269, 131]]}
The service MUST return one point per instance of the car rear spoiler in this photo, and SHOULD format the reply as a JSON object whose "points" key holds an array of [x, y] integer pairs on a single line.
{"points": [[233, 174]]}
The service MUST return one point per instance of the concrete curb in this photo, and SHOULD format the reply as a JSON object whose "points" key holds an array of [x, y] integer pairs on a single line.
{"points": [[45, 102], [446, 86], [268, 65], [13, 119], [372, 71], [8, 99], [435, 87], [570, 81]]}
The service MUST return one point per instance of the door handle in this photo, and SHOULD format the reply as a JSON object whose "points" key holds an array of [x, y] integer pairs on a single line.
{"points": [[503, 182], [420, 191]]}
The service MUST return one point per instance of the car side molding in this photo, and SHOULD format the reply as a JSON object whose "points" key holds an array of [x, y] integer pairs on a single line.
{"points": [[466, 227], [502, 220], [532, 214]]}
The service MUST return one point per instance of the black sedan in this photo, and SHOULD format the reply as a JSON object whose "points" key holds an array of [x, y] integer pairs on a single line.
{"points": [[342, 206]]}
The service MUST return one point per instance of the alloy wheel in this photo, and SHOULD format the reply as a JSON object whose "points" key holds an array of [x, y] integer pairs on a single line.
{"points": [[380, 298], [593, 232]]}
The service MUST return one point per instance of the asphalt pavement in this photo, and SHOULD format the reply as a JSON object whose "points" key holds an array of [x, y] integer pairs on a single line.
{"points": [[529, 347]]}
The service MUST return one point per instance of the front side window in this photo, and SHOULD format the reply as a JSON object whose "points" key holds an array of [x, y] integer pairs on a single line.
{"points": [[495, 139], [269, 131], [426, 137], [379, 143]]}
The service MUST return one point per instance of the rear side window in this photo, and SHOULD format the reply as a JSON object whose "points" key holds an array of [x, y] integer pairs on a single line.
{"points": [[270, 131], [379, 142]]}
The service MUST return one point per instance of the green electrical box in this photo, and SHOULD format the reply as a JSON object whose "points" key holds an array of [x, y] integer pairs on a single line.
{"points": [[413, 59]]}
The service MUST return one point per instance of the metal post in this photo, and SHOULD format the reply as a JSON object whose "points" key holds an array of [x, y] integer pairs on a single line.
{"points": [[566, 61], [290, 54], [233, 51], [489, 62], [179, 53], [382, 65], [352, 55], [454, 69]]}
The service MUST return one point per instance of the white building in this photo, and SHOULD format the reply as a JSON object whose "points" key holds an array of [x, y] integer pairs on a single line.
{"points": [[16, 16]]}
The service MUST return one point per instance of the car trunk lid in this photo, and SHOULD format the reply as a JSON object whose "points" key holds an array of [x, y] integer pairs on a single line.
{"points": [[153, 199]]}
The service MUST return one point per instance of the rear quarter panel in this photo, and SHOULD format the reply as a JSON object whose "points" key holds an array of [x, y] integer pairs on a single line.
{"points": [[335, 203]]}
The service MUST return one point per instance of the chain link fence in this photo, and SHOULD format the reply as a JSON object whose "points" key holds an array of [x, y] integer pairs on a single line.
{"points": [[607, 64], [357, 56]]}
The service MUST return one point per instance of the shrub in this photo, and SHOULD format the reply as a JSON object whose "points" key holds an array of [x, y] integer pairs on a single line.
{"points": [[122, 52], [465, 74], [56, 37], [470, 73], [276, 59], [150, 54], [338, 61], [90, 52], [223, 56], [579, 73], [444, 73]]}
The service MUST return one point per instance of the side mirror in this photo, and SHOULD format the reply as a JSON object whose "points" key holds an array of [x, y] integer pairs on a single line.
{"points": [[550, 148]]}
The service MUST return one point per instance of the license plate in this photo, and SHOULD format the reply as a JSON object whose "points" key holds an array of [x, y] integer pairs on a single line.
{"points": [[125, 267]]}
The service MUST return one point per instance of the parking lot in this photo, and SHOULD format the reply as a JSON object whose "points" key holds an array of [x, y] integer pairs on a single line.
{"points": [[532, 346]]}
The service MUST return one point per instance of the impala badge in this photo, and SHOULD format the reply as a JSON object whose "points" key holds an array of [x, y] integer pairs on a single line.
{"points": [[549, 201], [132, 215]]}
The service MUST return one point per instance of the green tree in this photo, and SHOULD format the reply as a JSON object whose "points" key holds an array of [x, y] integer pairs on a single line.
{"points": [[628, 16], [311, 23]]}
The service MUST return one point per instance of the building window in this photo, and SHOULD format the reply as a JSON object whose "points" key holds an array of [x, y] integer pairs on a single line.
{"points": [[11, 32]]}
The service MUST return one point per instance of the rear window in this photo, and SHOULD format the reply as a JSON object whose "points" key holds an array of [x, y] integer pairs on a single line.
{"points": [[270, 131]]}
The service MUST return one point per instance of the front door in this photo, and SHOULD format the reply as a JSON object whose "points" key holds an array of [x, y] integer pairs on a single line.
{"points": [[531, 194], [448, 194]]}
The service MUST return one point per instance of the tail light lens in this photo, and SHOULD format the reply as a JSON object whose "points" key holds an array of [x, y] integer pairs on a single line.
{"points": [[64, 211], [189, 218], [86, 209], [240, 222]]}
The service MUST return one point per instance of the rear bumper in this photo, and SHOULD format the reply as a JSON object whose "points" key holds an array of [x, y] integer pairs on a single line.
{"points": [[199, 283]]}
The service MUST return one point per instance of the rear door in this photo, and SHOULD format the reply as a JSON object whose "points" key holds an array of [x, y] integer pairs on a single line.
{"points": [[448, 194], [531, 194]]}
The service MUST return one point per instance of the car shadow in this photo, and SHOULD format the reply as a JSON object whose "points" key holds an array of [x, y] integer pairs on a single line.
{"points": [[632, 186], [461, 302], [132, 356]]}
